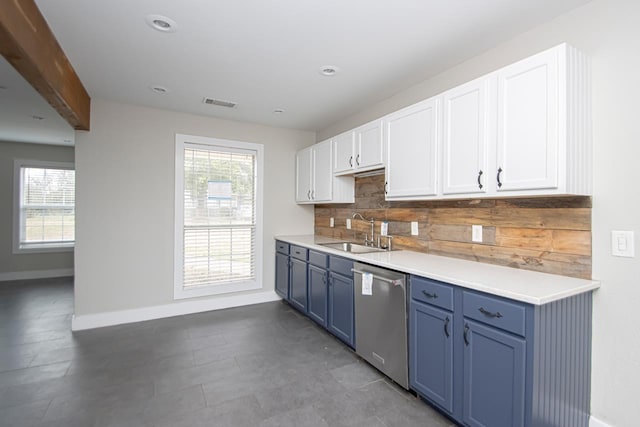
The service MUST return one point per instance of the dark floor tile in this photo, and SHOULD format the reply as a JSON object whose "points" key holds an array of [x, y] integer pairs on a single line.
{"points": [[305, 416], [29, 375], [240, 412], [356, 375], [27, 415], [183, 378], [301, 391], [263, 364]]}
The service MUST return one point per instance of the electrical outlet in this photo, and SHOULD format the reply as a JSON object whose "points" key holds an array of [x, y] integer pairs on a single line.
{"points": [[348, 223], [622, 244], [414, 228], [332, 223], [476, 233]]}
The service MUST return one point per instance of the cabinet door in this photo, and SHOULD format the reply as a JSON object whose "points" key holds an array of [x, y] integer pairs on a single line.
{"points": [[322, 172], [343, 159], [528, 125], [303, 175], [318, 294], [340, 321], [431, 353], [411, 138], [467, 135], [369, 147], [494, 377], [298, 290], [282, 275]]}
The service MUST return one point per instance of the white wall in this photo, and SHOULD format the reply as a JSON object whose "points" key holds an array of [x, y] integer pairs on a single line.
{"points": [[32, 265], [609, 32], [125, 201]]}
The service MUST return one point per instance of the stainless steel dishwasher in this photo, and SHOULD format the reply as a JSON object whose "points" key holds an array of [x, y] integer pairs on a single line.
{"points": [[381, 320]]}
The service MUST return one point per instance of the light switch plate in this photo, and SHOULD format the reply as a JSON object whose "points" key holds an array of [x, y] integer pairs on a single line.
{"points": [[348, 223], [332, 223], [622, 243], [476, 233], [414, 228]]}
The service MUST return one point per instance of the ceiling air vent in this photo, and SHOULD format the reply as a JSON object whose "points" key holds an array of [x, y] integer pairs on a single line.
{"points": [[219, 102]]}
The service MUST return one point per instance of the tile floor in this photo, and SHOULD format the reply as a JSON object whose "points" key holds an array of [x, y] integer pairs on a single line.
{"points": [[261, 365]]}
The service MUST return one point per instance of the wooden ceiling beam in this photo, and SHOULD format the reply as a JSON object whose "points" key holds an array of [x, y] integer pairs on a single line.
{"points": [[27, 42]]}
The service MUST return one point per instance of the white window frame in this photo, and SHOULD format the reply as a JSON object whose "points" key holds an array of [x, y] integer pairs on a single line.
{"points": [[182, 142], [18, 164]]}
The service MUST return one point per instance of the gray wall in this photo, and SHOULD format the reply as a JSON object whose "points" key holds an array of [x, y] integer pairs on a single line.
{"points": [[125, 201], [10, 263], [608, 31]]}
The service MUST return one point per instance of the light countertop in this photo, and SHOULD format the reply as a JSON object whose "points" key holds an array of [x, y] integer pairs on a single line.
{"points": [[521, 285]]}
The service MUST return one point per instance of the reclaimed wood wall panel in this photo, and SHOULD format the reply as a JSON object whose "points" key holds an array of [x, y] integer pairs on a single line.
{"points": [[551, 234]]}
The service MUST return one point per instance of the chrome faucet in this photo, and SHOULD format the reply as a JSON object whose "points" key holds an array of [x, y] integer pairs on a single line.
{"points": [[367, 242]]}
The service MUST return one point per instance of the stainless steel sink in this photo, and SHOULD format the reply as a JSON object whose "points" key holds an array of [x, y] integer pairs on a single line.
{"points": [[354, 248]]}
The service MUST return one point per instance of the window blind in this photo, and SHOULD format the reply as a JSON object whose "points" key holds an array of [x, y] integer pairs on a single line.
{"points": [[47, 206], [219, 216]]}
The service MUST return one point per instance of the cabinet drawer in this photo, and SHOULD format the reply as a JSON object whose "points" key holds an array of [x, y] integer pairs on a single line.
{"points": [[319, 259], [282, 247], [341, 265], [298, 252], [432, 292], [494, 311]]}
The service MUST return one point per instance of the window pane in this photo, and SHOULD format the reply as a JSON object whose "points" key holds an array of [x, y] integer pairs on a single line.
{"points": [[219, 216], [47, 205]]}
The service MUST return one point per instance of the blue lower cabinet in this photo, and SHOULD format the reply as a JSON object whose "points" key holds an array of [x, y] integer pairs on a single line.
{"points": [[431, 353], [317, 288], [341, 315], [298, 288], [494, 377], [282, 275], [489, 361]]}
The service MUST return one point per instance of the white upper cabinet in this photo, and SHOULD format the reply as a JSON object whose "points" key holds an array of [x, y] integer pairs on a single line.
{"points": [[359, 150], [343, 153], [524, 130], [315, 182], [322, 176], [411, 136], [369, 146], [469, 111], [543, 142], [304, 172]]}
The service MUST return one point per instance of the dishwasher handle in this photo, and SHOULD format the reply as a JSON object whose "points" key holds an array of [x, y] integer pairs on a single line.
{"points": [[394, 282]]}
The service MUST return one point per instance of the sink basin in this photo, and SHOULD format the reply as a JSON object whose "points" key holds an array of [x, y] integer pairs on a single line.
{"points": [[354, 248]]}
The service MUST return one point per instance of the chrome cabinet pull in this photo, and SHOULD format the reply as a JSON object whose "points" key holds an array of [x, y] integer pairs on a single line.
{"points": [[479, 183], [358, 160], [498, 177], [351, 161], [466, 334]]}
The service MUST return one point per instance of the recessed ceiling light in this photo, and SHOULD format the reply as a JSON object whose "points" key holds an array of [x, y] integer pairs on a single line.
{"points": [[278, 111], [329, 70], [160, 90], [161, 23]]}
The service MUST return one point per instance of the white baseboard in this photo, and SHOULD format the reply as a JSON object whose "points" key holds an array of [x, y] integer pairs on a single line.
{"points": [[36, 274], [111, 318], [594, 422]]}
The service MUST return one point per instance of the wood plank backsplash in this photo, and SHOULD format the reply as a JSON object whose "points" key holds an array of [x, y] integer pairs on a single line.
{"points": [[551, 235]]}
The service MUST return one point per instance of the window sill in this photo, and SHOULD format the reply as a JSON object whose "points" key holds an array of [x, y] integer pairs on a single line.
{"points": [[44, 248], [211, 290]]}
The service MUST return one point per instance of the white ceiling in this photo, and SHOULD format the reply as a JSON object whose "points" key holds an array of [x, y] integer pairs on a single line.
{"points": [[19, 104], [266, 55]]}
